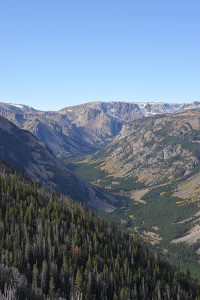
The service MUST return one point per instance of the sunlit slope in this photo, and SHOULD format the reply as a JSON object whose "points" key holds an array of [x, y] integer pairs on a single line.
{"points": [[152, 167], [84, 128], [154, 150]]}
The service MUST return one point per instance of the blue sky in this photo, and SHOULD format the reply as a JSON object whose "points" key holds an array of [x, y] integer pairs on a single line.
{"points": [[59, 53]]}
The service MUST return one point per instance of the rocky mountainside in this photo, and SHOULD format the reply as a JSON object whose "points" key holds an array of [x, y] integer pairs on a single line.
{"points": [[24, 151], [85, 128], [152, 150], [126, 111], [147, 177], [153, 168]]}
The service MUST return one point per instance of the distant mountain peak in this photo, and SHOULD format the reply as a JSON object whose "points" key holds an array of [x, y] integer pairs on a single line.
{"points": [[84, 128], [15, 107]]}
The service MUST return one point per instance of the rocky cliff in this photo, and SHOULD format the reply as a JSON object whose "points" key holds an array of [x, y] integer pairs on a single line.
{"points": [[85, 128], [154, 149], [24, 151]]}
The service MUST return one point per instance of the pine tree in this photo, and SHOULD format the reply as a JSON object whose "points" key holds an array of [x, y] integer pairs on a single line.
{"points": [[78, 285], [51, 289], [35, 279], [44, 278]]}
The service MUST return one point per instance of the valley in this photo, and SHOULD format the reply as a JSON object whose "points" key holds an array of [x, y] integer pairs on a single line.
{"points": [[85, 128], [25, 152], [152, 168], [54, 248], [137, 165], [99, 150], [155, 213]]}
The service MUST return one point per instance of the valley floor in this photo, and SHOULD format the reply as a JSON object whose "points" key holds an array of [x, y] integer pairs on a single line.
{"points": [[158, 214]]}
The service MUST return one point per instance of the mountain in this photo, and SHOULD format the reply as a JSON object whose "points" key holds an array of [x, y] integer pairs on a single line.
{"points": [[153, 168], [85, 128], [125, 111], [53, 248], [154, 149], [25, 152], [147, 177]]}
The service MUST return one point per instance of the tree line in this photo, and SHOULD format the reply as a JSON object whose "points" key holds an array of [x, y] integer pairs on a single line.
{"points": [[54, 248]]}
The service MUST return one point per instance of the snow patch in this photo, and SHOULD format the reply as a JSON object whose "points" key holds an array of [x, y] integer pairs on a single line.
{"points": [[110, 112], [21, 106], [141, 105], [17, 105]]}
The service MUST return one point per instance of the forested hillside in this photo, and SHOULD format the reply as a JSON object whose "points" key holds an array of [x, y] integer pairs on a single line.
{"points": [[54, 248], [153, 169], [22, 150]]}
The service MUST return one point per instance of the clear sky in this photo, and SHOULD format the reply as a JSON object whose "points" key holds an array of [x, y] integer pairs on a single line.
{"points": [[56, 53]]}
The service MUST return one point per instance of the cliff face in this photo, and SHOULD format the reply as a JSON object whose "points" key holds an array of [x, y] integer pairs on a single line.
{"points": [[83, 128], [146, 174], [22, 150], [153, 149]]}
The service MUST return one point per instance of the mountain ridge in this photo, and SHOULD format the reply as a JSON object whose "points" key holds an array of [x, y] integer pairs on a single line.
{"points": [[151, 143], [25, 152], [85, 128], [153, 168], [147, 173]]}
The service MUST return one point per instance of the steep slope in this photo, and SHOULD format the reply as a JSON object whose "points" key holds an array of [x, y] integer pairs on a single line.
{"points": [[54, 130], [64, 135], [24, 151], [154, 150], [153, 168], [81, 129], [53, 248]]}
